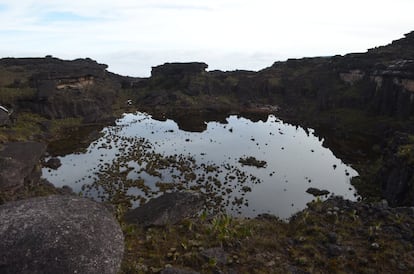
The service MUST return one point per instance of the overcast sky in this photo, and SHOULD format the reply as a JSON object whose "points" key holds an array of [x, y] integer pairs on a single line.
{"points": [[133, 35]]}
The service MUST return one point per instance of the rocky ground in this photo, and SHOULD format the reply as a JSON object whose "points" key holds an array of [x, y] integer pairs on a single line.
{"points": [[335, 236]]}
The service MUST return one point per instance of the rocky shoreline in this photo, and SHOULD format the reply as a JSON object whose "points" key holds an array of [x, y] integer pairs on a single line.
{"points": [[362, 104]]}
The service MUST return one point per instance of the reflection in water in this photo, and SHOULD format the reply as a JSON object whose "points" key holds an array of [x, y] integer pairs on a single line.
{"points": [[140, 157]]}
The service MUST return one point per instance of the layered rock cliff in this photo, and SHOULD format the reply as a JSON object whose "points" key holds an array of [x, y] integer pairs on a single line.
{"points": [[56, 88]]}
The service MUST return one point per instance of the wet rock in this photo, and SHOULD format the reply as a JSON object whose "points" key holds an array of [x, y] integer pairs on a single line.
{"points": [[19, 164], [53, 163], [317, 192], [59, 234], [169, 208]]}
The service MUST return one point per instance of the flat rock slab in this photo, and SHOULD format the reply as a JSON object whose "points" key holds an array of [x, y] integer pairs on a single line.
{"points": [[59, 234], [18, 162], [169, 208]]}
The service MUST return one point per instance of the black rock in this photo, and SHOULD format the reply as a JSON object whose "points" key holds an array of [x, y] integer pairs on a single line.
{"points": [[59, 234], [169, 208], [53, 163], [317, 192]]}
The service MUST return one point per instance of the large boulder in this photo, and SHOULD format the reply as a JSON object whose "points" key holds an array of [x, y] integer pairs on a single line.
{"points": [[59, 234], [19, 164], [169, 208]]}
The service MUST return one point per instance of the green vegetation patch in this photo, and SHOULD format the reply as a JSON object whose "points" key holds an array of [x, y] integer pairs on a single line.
{"points": [[11, 95]]}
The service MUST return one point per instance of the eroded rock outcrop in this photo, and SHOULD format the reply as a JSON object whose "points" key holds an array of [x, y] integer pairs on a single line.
{"points": [[59, 234]]}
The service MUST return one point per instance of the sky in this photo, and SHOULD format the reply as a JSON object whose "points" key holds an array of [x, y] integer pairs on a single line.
{"points": [[131, 36]]}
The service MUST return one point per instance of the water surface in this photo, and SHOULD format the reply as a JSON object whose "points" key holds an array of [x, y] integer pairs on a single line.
{"points": [[141, 156]]}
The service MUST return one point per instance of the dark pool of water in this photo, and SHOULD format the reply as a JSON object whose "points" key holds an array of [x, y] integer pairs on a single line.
{"points": [[295, 160]]}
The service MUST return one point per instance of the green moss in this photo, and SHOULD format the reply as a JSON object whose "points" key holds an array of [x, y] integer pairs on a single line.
{"points": [[25, 126], [58, 125]]}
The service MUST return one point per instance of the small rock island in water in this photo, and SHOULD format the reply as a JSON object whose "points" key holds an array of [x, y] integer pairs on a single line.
{"points": [[359, 107]]}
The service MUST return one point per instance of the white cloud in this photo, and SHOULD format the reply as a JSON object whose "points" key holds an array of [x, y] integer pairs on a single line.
{"points": [[184, 29]]}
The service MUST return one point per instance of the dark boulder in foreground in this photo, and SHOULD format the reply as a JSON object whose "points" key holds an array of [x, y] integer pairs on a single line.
{"points": [[317, 192], [59, 234], [19, 164], [169, 208]]}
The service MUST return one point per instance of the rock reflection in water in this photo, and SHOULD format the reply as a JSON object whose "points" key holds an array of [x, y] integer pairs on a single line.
{"points": [[141, 157]]}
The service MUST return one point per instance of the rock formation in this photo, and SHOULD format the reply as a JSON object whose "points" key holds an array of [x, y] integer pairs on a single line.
{"points": [[59, 89]]}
